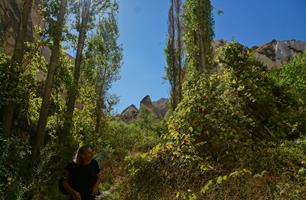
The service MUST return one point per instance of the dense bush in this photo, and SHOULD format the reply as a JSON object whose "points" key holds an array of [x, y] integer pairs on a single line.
{"points": [[240, 131]]}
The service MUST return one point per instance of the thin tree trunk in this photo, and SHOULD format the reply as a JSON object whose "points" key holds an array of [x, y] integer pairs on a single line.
{"points": [[179, 49], [99, 103], [173, 52], [98, 111], [43, 115], [76, 76], [16, 62]]}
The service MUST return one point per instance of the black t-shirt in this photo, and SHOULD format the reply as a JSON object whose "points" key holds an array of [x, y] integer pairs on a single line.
{"points": [[83, 178]]}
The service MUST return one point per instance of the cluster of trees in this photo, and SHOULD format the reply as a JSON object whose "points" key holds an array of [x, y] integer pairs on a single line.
{"points": [[44, 121], [236, 133], [195, 24]]}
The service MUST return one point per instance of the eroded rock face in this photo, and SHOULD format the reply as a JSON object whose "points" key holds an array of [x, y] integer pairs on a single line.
{"points": [[276, 53], [129, 114], [160, 108], [273, 54], [10, 11], [147, 103]]}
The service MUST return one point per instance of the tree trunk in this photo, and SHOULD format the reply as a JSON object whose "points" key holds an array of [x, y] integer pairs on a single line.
{"points": [[43, 115], [174, 99], [98, 113], [76, 76], [179, 50], [16, 62], [99, 103]]}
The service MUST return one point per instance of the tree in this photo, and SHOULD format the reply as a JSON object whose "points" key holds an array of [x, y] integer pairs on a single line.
{"points": [[105, 56], [54, 61], [174, 53], [84, 11], [180, 53], [14, 68], [198, 23]]}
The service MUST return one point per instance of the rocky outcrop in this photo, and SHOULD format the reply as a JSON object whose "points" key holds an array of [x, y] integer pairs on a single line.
{"points": [[276, 53], [160, 108], [147, 103], [10, 11], [273, 54], [129, 114]]}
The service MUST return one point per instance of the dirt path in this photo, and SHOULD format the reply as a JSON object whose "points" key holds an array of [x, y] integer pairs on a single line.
{"points": [[116, 184]]}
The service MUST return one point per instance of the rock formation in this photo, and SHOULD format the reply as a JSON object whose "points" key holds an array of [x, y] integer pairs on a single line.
{"points": [[276, 53], [147, 103], [159, 107], [10, 11], [129, 114]]}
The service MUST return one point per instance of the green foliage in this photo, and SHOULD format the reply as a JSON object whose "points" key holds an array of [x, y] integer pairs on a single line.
{"points": [[23, 90], [124, 138], [149, 122], [62, 81], [292, 76], [33, 62], [163, 173], [198, 35], [22, 86], [50, 11], [238, 133], [4, 63], [174, 53], [104, 59], [291, 79], [13, 168], [236, 129]]}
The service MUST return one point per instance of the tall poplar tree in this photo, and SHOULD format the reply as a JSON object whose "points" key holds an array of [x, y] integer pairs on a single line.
{"points": [[54, 61], [84, 12], [105, 56], [174, 53], [198, 35]]}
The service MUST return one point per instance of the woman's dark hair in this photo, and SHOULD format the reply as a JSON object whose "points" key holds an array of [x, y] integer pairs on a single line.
{"points": [[82, 150]]}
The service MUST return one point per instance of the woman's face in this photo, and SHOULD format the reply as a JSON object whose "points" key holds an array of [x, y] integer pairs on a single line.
{"points": [[86, 157]]}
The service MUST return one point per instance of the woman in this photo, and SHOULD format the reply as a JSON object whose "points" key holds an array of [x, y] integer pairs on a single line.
{"points": [[81, 178]]}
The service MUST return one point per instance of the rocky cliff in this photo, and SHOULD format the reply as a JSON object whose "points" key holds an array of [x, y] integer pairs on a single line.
{"points": [[159, 107], [129, 114], [275, 53], [10, 11]]}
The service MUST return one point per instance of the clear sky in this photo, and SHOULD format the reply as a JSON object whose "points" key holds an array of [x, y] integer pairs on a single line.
{"points": [[143, 29]]}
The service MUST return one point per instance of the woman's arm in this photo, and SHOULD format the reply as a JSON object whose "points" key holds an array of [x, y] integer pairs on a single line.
{"points": [[68, 188], [95, 188]]}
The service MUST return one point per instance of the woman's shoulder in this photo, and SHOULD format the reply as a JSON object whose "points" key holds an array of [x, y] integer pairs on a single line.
{"points": [[95, 164], [94, 161], [70, 166]]}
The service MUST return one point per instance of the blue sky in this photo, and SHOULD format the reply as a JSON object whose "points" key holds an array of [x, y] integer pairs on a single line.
{"points": [[143, 32]]}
